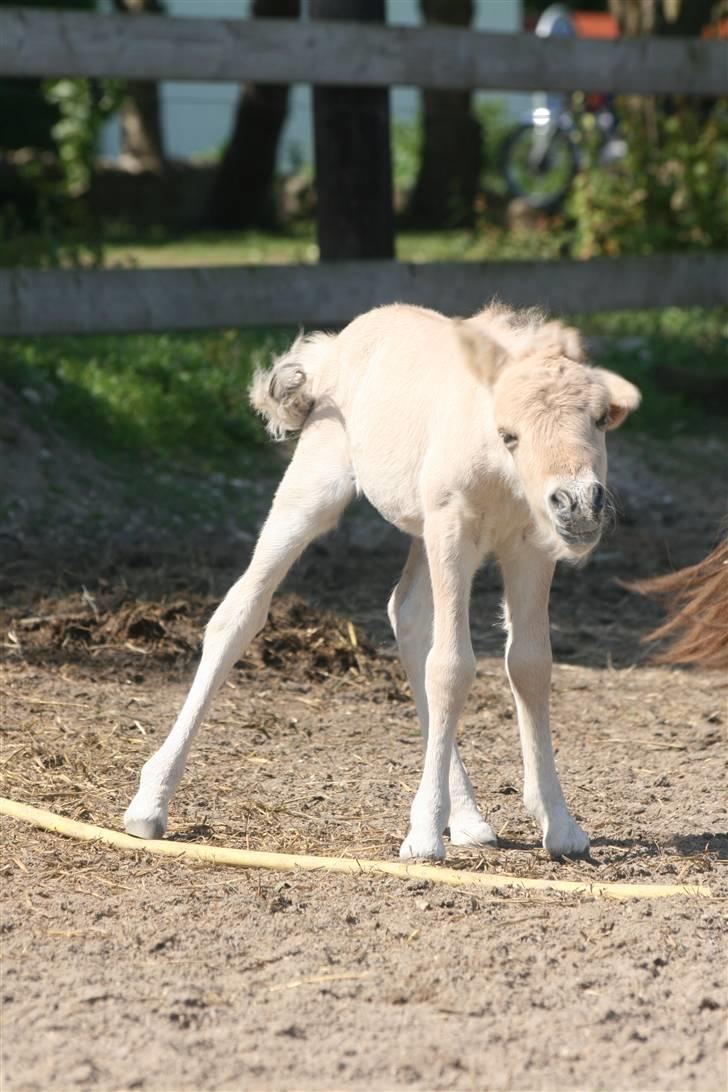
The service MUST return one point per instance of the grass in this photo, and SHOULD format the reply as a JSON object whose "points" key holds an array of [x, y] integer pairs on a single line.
{"points": [[298, 244], [159, 248], [179, 396]]}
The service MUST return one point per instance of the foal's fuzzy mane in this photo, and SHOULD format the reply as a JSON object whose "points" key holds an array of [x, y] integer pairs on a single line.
{"points": [[524, 333]]}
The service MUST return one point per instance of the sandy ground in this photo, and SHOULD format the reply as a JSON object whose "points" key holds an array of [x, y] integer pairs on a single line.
{"points": [[126, 971]]}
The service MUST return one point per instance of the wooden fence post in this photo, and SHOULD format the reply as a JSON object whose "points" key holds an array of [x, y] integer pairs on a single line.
{"points": [[355, 216]]}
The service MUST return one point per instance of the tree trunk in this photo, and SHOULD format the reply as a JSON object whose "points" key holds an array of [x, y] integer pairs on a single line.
{"points": [[243, 194], [449, 176], [142, 142], [353, 156]]}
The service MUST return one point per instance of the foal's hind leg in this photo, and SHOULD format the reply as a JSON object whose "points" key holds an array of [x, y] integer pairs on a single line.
{"points": [[410, 612], [314, 491]]}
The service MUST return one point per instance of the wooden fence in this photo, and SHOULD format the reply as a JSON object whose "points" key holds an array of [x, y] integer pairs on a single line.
{"points": [[330, 293], [66, 43]]}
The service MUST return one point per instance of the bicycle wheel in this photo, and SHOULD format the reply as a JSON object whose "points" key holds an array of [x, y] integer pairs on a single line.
{"points": [[541, 175]]}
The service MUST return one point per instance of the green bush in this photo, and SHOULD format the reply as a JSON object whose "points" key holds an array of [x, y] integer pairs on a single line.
{"points": [[84, 107], [668, 193]]}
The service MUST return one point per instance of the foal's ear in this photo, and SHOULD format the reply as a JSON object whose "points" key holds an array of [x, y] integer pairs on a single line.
{"points": [[485, 356], [624, 397]]}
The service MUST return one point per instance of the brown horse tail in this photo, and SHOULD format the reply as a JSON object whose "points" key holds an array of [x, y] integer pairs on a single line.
{"points": [[697, 622]]}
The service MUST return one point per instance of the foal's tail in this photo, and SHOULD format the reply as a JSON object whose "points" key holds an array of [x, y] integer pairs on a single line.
{"points": [[284, 393]]}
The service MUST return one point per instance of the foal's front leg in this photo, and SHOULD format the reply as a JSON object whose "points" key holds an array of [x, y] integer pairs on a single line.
{"points": [[449, 673], [411, 612], [527, 579]]}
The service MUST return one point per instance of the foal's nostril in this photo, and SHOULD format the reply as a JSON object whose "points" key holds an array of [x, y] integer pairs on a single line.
{"points": [[599, 497], [562, 502]]}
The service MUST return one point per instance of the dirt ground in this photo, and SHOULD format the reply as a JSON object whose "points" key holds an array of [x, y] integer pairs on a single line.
{"points": [[133, 972]]}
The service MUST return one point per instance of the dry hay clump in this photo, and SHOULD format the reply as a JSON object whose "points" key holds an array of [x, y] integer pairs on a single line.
{"points": [[312, 642], [299, 640]]}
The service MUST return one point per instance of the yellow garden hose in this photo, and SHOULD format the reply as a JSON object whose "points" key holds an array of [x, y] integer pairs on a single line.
{"points": [[289, 862]]}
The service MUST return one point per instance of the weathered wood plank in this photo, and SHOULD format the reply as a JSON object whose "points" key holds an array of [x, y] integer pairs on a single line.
{"points": [[97, 301], [71, 43]]}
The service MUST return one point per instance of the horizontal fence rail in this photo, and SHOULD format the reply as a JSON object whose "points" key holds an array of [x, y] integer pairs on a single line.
{"points": [[330, 294], [35, 42]]}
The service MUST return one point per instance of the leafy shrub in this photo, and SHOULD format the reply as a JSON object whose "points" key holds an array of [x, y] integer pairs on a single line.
{"points": [[668, 193], [84, 107]]}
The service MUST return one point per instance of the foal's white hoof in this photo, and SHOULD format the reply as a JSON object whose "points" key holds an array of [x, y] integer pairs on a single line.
{"points": [[422, 847], [473, 832], [564, 838], [143, 821]]}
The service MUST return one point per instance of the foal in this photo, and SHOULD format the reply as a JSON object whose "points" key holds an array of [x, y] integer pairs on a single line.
{"points": [[475, 437]]}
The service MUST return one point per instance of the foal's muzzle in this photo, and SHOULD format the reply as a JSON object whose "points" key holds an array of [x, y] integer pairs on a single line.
{"points": [[577, 510]]}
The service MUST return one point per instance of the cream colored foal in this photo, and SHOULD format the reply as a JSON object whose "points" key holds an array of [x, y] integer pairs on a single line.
{"points": [[476, 437]]}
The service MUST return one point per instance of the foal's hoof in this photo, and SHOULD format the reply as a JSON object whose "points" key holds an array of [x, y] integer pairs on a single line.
{"points": [[565, 838], [421, 847], [143, 821], [472, 833]]}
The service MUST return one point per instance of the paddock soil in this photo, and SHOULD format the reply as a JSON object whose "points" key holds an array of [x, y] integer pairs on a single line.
{"points": [[134, 972]]}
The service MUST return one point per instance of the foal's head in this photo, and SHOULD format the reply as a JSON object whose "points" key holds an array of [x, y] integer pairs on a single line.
{"points": [[552, 415]]}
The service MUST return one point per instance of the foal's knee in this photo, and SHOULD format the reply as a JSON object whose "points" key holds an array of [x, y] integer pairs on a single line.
{"points": [[450, 673]]}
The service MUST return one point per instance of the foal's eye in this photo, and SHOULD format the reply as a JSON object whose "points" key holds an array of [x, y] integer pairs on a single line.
{"points": [[509, 438], [603, 421]]}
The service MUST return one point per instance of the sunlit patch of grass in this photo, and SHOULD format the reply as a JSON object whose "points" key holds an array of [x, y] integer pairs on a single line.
{"points": [[297, 244], [181, 395]]}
